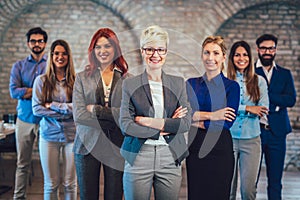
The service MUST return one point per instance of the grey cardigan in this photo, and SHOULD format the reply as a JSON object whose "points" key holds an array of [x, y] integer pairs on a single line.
{"points": [[137, 101], [97, 132]]}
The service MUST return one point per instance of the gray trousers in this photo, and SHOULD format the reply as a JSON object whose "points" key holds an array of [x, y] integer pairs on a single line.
{"points": [[247, 154], [25, 136], [154, 167]]}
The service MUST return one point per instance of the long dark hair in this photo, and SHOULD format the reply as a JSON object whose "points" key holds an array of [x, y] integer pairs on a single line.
{"points": [[249, 73], [119, 60]]}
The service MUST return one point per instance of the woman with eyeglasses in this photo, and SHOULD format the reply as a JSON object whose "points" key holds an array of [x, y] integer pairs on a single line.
{"points": [[245, 131], [214, 100], [52, 100], [153, 117]]}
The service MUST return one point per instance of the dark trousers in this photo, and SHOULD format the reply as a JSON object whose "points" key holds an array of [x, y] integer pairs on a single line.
{"points": [[88, 173], [209, 178], [273, 148]]}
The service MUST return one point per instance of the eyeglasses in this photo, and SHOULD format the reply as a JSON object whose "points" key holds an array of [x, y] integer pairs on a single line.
{"points": [[264, 49], [33, 41], [151, 51], [56, 53]]}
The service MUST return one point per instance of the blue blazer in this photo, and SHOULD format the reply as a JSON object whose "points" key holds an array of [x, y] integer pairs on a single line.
{"points": [[137, 101], [282, 93]]}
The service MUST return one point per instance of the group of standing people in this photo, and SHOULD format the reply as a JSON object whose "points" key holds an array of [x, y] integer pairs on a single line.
{"points": [[134, 126]]}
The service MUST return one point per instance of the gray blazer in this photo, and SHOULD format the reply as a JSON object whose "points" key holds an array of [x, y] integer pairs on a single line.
{"points": [[137, 101], [97, 131]]}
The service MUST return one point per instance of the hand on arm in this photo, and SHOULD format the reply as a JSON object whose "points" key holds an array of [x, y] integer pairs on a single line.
{"points": [[180, 112], [257, 110], [158, 123], [222, 114], [48, 105], [227, 114], [28, 93], [90, 108]]}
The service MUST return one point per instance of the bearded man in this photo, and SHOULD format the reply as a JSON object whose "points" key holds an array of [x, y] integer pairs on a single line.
{"points": [[22, 76], [276, 125]]}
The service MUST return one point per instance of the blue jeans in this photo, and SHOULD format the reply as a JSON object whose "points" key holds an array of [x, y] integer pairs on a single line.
{"points": [[50, 160], [247, 154], [25, 136], [88, 173], [154, 167]]}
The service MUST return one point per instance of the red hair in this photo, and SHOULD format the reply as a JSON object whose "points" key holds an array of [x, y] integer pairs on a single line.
{"points": [[118, 60]]}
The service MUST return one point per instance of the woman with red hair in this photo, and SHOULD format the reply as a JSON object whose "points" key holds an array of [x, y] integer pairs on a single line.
{"points": [[96, 102]]}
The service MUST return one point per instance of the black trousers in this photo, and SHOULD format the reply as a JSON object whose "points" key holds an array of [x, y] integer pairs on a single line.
{"points": [[88, 172], [209, 178]]}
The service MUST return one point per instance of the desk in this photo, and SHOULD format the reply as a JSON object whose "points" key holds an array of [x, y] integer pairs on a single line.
{"points": [[7, 144], [8, 129]]}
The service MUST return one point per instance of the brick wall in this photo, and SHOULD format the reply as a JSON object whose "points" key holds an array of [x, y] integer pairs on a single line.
{"points": [[188, 23], [281, 19]]}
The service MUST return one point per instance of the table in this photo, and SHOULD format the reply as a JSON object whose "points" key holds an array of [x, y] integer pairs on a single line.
{"points": [[8, 129], [7, 145]]}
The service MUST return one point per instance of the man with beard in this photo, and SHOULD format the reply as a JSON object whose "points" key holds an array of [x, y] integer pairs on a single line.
{"points": [[276, 125], [22, 76]]}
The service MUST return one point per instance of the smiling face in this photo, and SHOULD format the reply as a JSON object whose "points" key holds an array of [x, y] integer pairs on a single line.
{"points": [[267, 52], [60, 57], [158, 57], [104, 52], [213, 58], [241, 59]]}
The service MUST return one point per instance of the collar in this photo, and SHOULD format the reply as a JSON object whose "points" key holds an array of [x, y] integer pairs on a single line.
{"points": [[114, 69], [239, 74], [217, 80], [62, 80], [44, 58], [258, 64]]}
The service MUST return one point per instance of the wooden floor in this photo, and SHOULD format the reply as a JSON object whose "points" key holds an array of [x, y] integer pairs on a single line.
{"points": [[291, 183]]}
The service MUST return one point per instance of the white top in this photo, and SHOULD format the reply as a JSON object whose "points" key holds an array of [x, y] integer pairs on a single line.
{"points": [[158, 103], [106, 89], [264, 119]]}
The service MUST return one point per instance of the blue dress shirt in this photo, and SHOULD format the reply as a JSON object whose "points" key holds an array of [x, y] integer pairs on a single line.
{"points": [[212, 95], [57, 124], [22, 76], [246, 125]]}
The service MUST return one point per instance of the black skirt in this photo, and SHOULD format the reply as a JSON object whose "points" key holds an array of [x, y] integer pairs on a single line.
{"points": [[209, 178]]}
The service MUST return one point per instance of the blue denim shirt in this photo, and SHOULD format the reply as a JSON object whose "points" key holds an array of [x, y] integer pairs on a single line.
{"points": [[22, 76], [211, 95], [57, 124], [246, 125]]}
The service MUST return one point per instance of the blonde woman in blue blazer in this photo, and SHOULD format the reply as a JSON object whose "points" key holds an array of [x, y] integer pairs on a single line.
{"points": [[154, 115]]}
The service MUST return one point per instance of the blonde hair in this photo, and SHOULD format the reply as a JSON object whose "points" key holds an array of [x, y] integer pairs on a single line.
{"points": [[219, 40], [152, 34]]}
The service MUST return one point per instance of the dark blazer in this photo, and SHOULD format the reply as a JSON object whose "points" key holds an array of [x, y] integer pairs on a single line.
{"points": [[137, 101], [282, 93]]}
